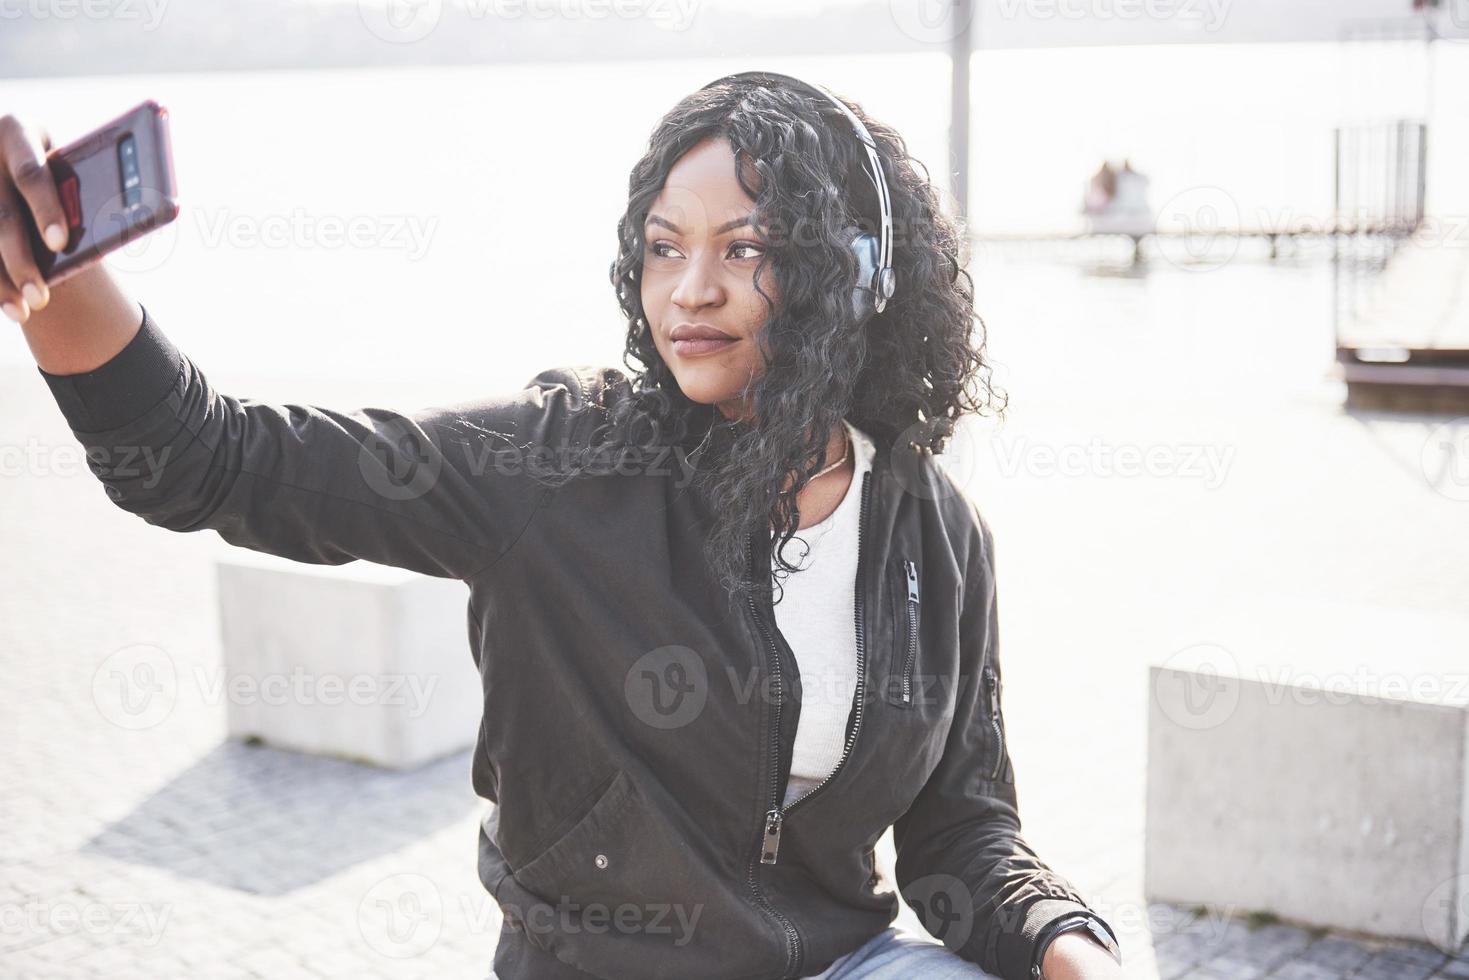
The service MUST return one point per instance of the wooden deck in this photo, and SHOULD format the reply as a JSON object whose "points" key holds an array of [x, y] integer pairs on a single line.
{"points": [[1407, 346]]}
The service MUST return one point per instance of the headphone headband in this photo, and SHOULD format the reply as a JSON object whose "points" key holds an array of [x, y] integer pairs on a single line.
{"points": [[884, 280]]}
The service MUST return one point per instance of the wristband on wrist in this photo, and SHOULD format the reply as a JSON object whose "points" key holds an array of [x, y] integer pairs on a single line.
{"points": [[1088, 923]]}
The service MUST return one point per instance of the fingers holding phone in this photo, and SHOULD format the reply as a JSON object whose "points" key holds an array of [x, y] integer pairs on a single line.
{"points": [[28, 198], [62, 210]]}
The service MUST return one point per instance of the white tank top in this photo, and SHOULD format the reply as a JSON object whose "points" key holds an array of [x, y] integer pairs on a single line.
{"points": [[816, 617]]}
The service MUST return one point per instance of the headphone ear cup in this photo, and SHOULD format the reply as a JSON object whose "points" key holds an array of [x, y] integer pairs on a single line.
{"points": [[865, 293]]}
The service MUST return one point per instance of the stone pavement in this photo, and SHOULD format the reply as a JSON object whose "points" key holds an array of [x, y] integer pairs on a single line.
{"points": [[163, 850]]}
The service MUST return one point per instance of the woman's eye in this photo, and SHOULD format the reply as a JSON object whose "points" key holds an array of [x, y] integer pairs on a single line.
{"points": [[735, 250]]}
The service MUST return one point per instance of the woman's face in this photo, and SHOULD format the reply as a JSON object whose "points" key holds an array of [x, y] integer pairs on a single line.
{"points": [[698, 286]]}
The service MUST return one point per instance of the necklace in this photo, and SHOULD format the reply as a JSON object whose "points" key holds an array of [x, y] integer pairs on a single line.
{"points": [[827, 469]]}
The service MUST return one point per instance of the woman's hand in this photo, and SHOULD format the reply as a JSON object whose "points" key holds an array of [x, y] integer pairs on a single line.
{"points": [[27, 194], [1072, 956], [87, 318]]}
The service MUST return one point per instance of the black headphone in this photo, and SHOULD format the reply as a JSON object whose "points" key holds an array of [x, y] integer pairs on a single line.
{"points": [[876, 281]]}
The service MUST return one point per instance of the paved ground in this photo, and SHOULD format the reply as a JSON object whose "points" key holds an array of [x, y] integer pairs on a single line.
{"points": [[169, 851]]}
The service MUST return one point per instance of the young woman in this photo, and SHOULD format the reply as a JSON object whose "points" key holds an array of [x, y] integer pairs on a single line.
{"points": [[732, 621]]}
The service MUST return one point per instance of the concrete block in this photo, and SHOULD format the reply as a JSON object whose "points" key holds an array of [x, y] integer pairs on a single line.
{"points": [[1310, 761], [360, 661]]}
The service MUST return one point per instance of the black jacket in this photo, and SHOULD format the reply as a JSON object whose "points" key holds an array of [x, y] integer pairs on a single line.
{"points": [[637, 724]]}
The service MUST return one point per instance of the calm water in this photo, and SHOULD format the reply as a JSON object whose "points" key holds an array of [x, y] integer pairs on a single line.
{"points": [[457, 224]]}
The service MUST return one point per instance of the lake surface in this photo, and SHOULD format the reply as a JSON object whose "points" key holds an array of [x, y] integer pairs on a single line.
{"points": [[455, 225]]}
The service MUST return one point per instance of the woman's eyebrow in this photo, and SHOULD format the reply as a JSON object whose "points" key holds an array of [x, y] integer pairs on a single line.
{"points": [[655, 219]]}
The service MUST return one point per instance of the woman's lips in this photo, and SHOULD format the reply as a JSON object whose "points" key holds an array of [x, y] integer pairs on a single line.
{"points": [[695, 347]]}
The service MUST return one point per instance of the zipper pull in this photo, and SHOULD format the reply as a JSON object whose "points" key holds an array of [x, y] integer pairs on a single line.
{"points": [[772, 837], [912, 571], [990, 679]]}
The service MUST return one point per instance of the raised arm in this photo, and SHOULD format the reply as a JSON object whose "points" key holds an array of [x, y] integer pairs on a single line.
{"points": [[443, 490]]}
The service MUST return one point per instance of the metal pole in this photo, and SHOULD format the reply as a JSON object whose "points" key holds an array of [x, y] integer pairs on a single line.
{"points": [[959, 50]]}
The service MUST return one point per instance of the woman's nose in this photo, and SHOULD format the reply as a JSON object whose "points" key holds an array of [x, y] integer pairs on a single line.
{"points": [[698, 286]]}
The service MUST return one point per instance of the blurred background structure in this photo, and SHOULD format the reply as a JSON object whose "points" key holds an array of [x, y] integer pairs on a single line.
{"points": [[1236, 447]]}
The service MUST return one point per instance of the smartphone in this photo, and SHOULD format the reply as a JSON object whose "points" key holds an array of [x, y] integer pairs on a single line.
{"points": [[116, 184]]}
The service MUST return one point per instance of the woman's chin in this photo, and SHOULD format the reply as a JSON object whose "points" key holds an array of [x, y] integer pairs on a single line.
{"points": [[706, 386]]}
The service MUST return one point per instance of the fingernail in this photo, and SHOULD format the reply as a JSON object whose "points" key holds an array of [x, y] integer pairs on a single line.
{"points": [[56, 237], [32, 293], [11, 311]]}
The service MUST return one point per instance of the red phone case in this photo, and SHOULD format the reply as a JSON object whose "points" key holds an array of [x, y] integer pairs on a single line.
{"points": [[104, 209]]}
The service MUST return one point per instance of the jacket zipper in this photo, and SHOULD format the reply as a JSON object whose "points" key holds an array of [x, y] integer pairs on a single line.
{"points": [[911, 570], [775, 815], [992, 683], [772, 831]]}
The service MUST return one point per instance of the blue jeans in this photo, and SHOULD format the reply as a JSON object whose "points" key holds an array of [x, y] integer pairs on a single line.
{"points": [[897, 954]]}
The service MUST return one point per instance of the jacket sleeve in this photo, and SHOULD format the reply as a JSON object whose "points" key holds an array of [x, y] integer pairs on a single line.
{"points": [[962, 863], [443, 491]]}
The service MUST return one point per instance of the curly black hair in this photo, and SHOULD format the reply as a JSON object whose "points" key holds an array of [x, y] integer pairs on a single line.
{"points": [[914, 368]]}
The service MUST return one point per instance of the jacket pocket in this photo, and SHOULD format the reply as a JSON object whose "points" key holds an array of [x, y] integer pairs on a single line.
{"points": [[580, 854], [904, 685], [622, 891]]}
